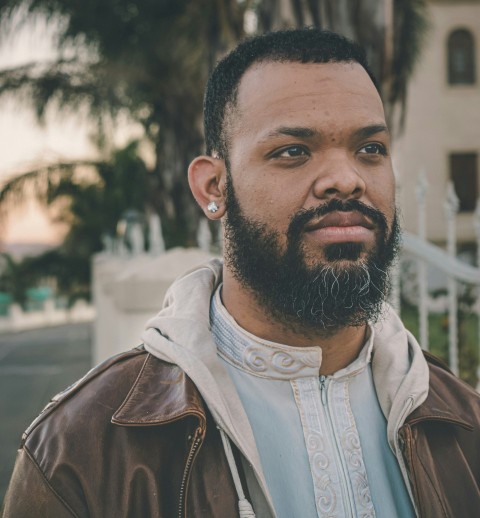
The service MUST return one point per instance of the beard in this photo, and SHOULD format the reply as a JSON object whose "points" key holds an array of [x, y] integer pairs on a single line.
{"points": [[302, 291]]}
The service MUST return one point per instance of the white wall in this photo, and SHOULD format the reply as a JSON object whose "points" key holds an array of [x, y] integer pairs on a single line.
{"points": [[128, 291]]}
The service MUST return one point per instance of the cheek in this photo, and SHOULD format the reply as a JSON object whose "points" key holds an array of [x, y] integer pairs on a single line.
{"points": [[390, 199], [267, 200], [382, 195], [275, 207]]}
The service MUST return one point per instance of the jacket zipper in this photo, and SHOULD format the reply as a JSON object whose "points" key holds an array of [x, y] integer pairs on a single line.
{"points": [[346, 491], [197, 440]]}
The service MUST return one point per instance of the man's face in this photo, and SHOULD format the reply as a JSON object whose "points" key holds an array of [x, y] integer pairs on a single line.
{"points": [[310, 191]]}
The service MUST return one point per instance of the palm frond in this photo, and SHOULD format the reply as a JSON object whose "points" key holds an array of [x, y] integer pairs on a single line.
{"points": [[68, 84], [42, 183]]}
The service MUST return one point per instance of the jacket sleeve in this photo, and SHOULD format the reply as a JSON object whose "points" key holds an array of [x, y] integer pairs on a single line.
{"points": [[29, 494]]}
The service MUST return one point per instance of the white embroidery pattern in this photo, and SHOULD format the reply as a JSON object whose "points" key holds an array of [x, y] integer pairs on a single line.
{"points": [[261, 357], [325, 495], [330, 493], [271, 361]]}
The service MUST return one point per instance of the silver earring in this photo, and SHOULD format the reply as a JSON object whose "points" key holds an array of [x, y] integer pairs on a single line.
{"points": [[212, 207]]}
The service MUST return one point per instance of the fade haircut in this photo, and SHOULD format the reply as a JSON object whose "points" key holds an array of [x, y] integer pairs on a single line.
{"points": [[308, 45]]}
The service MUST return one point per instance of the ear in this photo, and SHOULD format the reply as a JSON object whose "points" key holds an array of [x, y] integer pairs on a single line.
{"points": [[206, 177]]}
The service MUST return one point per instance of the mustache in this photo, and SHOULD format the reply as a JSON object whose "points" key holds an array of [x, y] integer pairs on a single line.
{"points": [[304, 216]]}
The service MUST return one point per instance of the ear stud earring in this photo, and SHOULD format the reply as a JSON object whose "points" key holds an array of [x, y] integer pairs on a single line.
{"points": [[212, 207]]}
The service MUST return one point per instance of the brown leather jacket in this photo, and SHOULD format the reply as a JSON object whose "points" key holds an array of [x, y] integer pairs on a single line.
{"points": [[133, 438]]}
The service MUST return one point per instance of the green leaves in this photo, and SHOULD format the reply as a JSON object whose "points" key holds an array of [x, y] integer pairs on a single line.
{"points": [[90, 197]]}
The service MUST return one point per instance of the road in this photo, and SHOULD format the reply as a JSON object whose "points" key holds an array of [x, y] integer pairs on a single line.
{"points": [[34, 366]]}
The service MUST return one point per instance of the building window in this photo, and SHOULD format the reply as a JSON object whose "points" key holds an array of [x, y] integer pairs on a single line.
{"points": [[461, 58], [464, 175]]}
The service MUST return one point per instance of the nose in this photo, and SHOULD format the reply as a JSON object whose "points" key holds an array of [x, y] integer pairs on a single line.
{"points": [[338, 177]]}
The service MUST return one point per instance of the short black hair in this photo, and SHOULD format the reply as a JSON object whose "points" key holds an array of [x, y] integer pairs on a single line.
{"points": [[307, 45]]}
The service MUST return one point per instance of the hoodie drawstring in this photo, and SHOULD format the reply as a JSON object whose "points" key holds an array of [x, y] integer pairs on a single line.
{"points": [[244, 506]]}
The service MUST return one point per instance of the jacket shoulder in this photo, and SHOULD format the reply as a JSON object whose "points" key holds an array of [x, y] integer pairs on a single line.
{"points": [[440, 373], [449, 394], [98, 393], [98, 449]]}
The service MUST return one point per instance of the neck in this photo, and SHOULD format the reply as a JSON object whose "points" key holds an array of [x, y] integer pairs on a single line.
{"points": [[338, 349]]}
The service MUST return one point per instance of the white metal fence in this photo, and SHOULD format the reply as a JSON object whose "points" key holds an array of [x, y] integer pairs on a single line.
{"points": [[452, 278]]}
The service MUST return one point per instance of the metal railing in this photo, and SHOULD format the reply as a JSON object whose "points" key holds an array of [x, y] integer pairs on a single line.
{"points": [[456, 274]]}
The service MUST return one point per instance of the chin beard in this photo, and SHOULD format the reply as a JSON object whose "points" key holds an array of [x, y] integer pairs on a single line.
{"points": [[302, 293]]}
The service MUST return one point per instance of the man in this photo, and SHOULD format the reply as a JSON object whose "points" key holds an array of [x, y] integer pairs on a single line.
{"points": [[278, 383]]}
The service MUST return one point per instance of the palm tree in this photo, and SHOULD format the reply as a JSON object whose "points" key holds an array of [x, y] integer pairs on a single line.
{"points": [[150, 58]]}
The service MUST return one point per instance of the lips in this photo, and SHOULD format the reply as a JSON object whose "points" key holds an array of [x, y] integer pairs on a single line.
{"points": [[340, 219]]}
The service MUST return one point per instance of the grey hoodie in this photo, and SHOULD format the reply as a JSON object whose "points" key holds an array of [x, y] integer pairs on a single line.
{"points": [[180, 334]]}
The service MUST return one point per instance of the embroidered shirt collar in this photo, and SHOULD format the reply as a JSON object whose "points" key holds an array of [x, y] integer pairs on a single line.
{"points": [[267, 359]]}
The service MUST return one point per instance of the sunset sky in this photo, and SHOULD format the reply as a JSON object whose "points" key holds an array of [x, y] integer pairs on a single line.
{"points": [[24, 144]]}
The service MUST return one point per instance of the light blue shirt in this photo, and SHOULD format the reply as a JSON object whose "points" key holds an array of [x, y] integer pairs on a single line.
{"points": [[322, 441]]}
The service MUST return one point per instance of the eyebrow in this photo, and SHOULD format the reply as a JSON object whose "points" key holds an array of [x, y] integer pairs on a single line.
{"points": [[304, 132], [291, 131], [368, 131]]}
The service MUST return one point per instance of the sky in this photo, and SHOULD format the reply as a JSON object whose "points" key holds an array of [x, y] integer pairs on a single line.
{"points": [[24, 144]]}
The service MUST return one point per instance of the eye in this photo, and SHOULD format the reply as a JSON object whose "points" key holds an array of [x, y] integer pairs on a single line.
{"points": [[374, 148], [290, 152]]}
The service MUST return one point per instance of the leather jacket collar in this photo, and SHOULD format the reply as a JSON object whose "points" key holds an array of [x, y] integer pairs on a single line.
{"points": [[143, 406], [180, 398]]}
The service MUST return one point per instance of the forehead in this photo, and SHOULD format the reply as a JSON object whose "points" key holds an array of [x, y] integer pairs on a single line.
{"points": [[273, 93]]}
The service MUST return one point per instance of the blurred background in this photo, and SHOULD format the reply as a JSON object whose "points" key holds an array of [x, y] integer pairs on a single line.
{"points": [[100, 115]]}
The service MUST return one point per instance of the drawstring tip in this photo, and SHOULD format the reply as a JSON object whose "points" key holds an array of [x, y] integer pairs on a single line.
{"points": [[244, 506], [245, 509]]}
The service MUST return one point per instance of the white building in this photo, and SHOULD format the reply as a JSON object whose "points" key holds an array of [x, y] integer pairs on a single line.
{"points": [[442, 129]]}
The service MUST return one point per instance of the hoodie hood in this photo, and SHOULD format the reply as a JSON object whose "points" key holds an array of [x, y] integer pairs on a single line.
{"points": [[181, 334], [400, 372]]}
